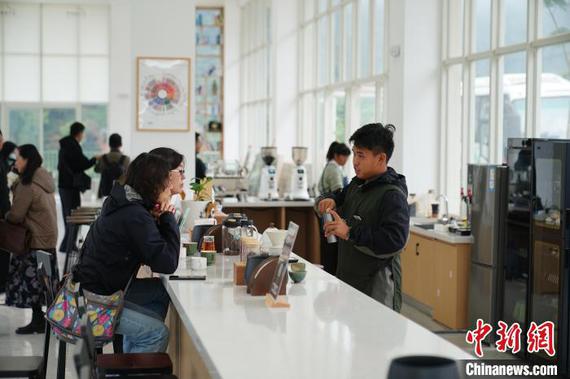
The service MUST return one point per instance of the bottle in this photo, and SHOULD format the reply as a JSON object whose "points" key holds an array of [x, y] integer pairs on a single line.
{"points": [[469, 206], [462, 206], [430, 199], [327, 217]]}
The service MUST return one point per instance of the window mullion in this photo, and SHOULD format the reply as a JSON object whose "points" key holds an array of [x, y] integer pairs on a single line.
{"points": [[494, 84]]}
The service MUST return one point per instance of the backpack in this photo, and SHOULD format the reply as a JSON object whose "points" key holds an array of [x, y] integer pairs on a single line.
{"points": [[111, 172]]}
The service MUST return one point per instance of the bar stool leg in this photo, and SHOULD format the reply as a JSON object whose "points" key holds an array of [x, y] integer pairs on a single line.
{"points": [[61, 360]]}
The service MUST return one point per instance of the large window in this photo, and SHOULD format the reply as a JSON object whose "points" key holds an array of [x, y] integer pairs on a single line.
{"points": [[342, 69], [506, 74], [54, 70], [255, 66]]}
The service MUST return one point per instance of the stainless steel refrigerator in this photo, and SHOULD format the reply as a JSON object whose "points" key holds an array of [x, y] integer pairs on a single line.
{"points": [[488, 184]]}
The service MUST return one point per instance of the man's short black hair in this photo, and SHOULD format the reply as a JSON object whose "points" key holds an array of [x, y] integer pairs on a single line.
{"points": [[197, 137], [376, 137], [76, 128], [115, 141]]}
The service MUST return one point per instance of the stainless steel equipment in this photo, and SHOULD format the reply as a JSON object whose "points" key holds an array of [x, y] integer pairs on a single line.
{"points": [[488, 184], [268, 180], [299, 186]]}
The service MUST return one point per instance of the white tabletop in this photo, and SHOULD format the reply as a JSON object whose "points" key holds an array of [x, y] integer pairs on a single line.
{"points": [[330, 331], [442, 236]]}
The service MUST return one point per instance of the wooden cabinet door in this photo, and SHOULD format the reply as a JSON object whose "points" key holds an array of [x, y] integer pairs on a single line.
{"points": [[424, 258], [451, 281], [409, 267]]}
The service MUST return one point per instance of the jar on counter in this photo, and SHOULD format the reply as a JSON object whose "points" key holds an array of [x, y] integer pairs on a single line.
{"points": [[231, 235]]}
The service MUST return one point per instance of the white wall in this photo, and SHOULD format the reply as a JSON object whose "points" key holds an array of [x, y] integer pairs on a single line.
{"points": [[413, 90], [151, 28]]}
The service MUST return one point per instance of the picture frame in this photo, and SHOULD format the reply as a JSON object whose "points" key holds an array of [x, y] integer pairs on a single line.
{"points": [[163, 94]]}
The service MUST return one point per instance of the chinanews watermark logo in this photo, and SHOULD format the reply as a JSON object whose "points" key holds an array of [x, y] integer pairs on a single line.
{"points": [[539, 338]]}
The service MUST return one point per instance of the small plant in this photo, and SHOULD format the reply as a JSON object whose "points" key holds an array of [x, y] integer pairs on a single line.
{"points": [[202, 189]]}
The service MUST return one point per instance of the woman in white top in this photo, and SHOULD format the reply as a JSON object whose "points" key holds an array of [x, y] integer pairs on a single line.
{"points": [[333, 178]]}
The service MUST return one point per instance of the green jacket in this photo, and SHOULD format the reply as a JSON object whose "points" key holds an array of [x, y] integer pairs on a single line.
{"points": [[377, 213]]}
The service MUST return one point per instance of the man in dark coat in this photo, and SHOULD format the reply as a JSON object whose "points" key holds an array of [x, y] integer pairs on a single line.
{"points": [[372, 218], [71, 177]]}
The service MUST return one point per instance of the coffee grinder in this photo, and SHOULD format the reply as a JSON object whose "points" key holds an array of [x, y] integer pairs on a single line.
{"points": [[299, 187], [268, 180]]}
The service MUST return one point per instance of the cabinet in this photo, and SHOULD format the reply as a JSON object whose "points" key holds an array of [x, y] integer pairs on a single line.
{"points": [[451, 284], [418, 269], [436, 274]]}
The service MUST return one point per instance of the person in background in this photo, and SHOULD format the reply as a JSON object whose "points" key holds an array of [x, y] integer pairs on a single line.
{"points": [[375, 219], [71, 177], [136, 227], [7, 148], [332, 179], [200, 165], [34, 207], [112, 166]]}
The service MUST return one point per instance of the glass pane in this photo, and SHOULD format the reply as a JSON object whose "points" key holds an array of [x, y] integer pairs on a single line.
{"points": [[1, 82], [320, 133], [555, 17], [336, 46], [480, 136], [455, 25], [94, 30], [514, 21], [22, 29], [363, 38], [339, 107], [379, 35], [335, 2], [308, 120], [56, 125], [547, 211], [322, 54], [555, 92], [308, 56], [482, 26], [454, 108], [94, 80], [348, 49], [514, 97], [59, 29], [322, 5], [309, 9], [367, 104], [22, 78], [24, 126], [59, 79], [94, 117]]}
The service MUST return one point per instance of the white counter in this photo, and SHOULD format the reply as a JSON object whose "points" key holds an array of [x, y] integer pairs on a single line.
{"points": [[256, 203], [330, 331], [442, 236]]}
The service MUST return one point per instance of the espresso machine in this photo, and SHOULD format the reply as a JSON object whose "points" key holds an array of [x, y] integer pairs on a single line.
{"points": [[299, 187], [268, 179]]}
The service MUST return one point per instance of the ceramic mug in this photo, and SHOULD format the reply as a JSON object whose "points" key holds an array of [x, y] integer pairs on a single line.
{"points": [[198, 263]]}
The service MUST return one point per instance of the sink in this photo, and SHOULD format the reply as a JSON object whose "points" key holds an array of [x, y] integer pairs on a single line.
{"points": [[425, 226]]}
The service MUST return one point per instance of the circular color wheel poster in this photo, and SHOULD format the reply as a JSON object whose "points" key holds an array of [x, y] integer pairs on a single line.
{"points": [[162, 94]]}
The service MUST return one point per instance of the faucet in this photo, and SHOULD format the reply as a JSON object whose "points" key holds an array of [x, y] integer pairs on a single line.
{"points": [[444, 216]]}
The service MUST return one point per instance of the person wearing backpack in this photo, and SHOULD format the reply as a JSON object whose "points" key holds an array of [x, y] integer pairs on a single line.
{"points": [[372, 219], [112, 166]]}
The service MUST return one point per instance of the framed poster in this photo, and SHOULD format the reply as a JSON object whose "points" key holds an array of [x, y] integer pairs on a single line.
{"points": [[163, 94], [281, 269]]}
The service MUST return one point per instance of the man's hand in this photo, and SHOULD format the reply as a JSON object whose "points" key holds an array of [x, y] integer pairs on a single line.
{"points": [[337, 227], [325, 205]]}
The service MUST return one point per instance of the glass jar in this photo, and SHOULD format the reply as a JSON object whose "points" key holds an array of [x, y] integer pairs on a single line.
{"points": [[208, 243], [231, 235]]}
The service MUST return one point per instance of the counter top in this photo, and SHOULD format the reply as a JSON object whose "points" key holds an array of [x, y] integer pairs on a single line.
{"points": [[256, 203], [330, 331], [442, 236]]}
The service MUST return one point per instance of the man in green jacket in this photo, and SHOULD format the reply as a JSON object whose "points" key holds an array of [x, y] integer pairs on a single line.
{"points": [[372, 219]]}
